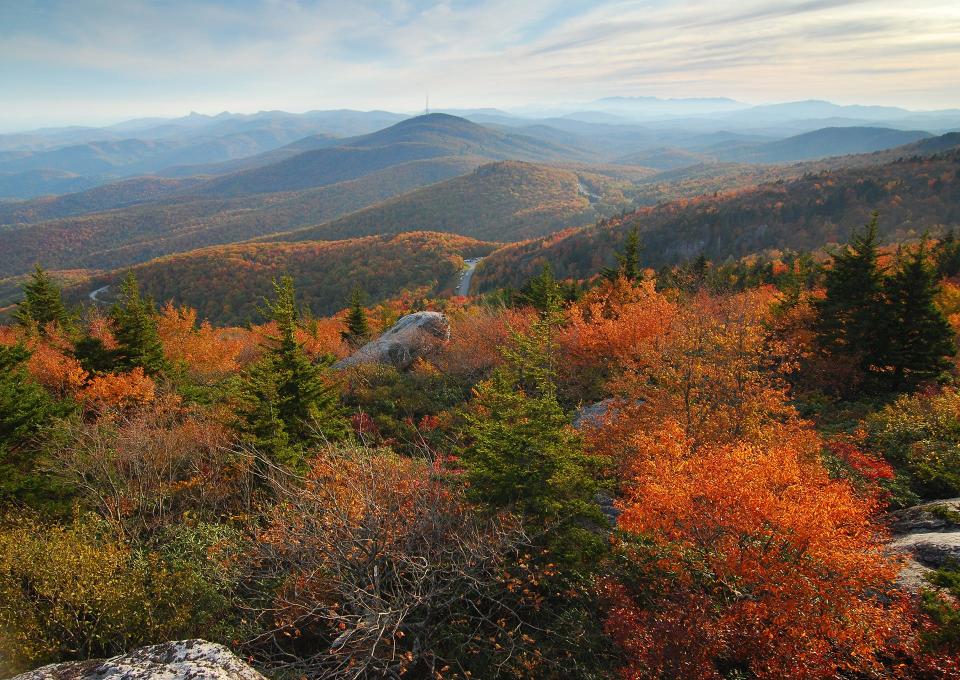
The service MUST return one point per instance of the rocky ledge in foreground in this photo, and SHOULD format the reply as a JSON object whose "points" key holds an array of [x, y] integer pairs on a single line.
{"points": [[929, 534], [184, 660]]}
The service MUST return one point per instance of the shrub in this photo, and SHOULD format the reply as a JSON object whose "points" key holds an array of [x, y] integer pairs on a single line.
{"points": [[920, 436], [79, 591]]}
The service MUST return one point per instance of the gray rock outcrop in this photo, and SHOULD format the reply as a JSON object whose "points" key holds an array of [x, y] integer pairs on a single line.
{"points": [[592, 415], [929, 535], [413, 336], [184, 660]]}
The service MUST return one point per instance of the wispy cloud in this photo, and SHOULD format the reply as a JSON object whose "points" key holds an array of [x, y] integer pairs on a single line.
{"points": [[100, 60]]}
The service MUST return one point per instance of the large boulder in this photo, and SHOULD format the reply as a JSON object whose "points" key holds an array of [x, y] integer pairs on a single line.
{"points": [[413, 336], [184, 660]]}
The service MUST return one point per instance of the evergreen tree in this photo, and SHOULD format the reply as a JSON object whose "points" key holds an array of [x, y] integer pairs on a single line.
{"points": [[544, 291], [850, 316], [629, 260], [358, 328], [919, 339], [698, 271], [93, 356], [947, 255], [286, 405], [800, 278], [135, 327], [25, 408], [521, 451], [42, 303]]}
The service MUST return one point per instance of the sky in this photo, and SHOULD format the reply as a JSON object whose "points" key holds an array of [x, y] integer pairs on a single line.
{"points": [[93, 62]]}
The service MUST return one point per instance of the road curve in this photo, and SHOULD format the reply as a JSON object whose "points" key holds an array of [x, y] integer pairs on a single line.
{"points": [[94, 294], [467, 276]]}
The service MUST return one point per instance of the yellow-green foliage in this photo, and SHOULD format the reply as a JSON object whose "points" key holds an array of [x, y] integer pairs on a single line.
{"points": [[920, 435], [78, 591]]}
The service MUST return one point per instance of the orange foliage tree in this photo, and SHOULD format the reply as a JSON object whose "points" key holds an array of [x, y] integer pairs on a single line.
{"points": [[745, 556], [49, 363], [205, 352], [709, 369], [118, 391], [753, 560], [609, 330]]}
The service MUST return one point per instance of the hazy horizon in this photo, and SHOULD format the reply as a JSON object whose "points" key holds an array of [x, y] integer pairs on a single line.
{"points": [[97, 62]]}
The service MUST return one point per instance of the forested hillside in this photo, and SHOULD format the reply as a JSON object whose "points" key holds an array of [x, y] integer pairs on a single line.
{"points": [[913, 195], [216, 281], [108, 197], [122, 237], [505, 201]]}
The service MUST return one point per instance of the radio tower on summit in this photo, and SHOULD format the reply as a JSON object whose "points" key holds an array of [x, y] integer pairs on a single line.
{"points": [[426, 109]]}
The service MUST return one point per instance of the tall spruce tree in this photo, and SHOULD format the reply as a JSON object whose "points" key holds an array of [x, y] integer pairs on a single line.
{"points": [[543, 291], [135, 328], [42, 303], [628, 262], [286, 404], [850, 317], [521, 451], [946, 255], [918, 339], [25, 408], [357, 331]]}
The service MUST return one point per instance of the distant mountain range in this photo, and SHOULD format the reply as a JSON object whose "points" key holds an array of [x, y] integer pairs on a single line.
{"points": [[435, 135], [834, 141], [531, 193], [64, 160], [142, 219]]}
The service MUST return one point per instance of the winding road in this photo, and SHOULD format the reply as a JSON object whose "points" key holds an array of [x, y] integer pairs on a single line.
{"points": [[467, 276], [94, 294]]}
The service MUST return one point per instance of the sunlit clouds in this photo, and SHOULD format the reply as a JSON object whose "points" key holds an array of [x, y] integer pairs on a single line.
{"points": [[95, 62]]}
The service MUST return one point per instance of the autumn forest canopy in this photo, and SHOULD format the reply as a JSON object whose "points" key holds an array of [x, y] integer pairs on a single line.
{"points": [[610, 393]]}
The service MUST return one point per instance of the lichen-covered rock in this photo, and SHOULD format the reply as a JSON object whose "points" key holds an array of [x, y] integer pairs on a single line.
{"points": [[184, 660], [413, 336], [929, 536]]}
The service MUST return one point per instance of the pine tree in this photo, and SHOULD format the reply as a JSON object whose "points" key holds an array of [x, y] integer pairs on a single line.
{"points": [[135, 327], [543, 291], [522, 452], [25, 407], [629, 260], [358, 328], [42, 303], [919, 339], [947, 255], [698, 271], [850, 316], [286, 405]]}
